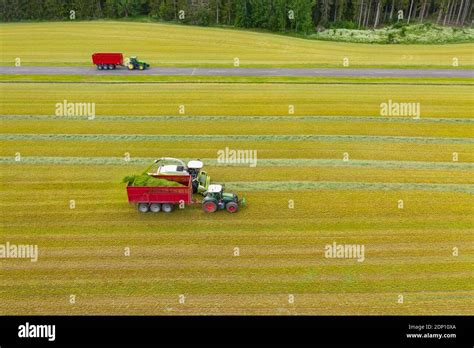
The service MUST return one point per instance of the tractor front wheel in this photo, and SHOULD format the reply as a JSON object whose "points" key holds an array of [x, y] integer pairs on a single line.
{"points": [[141, 67], [232, 207], [209, 207]]}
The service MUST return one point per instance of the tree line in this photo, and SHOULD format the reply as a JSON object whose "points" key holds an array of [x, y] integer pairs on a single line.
{"points": [[301, 16]]}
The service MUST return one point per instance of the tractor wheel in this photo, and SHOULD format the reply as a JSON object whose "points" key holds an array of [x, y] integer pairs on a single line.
{"points": [[209, 207], [141, 67], [130, 66], [155, 207], [143, 207], [232, 207], [167, 208]]}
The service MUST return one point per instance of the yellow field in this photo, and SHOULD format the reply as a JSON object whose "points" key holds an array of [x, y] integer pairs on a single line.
{"points": [[408, 251], [335, 171], [236, 99], [72, 43]]}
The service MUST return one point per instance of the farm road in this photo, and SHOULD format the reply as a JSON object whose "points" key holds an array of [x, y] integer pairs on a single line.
{"points": [[262, 72]]}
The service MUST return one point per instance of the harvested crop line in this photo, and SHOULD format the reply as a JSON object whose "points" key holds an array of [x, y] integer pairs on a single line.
{"points": [[143, 137], [228, 82], [273, 162], [330, 185], [315, 118]]}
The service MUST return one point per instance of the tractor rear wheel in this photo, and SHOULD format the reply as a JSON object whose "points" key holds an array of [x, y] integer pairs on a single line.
{"points": [[143, 207], [155, 207], [167, 208], [209, 207], [130, 66], [232, 207]]}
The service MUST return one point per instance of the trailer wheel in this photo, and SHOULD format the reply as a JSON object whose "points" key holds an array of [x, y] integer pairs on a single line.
{"points": [[143, 207], [209, 207], [167, 208], [232, 207], [155, 207], [99, 67], [111, 66]]}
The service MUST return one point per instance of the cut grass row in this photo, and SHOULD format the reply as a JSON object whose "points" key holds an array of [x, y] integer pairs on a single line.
{"points": [[265, 162], [401, 151], [242, 118], [242, 127], [232, 138], [101, 186], [311, 175], [174, 45], [235, 99], [195, 79], [438, 302]]}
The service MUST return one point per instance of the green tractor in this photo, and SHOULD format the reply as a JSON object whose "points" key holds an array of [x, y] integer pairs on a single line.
{"points": [[216, 199], [134, 63]]}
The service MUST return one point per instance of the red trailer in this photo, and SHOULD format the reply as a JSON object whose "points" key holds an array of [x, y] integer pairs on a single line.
{"points": [[156, 198], [107, 60]]}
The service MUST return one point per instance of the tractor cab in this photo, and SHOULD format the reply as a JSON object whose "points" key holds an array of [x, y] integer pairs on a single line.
{"points": [[216, 199], [135, 63]]}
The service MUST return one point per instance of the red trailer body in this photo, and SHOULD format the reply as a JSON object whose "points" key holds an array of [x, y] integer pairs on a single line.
{"points": [[163, 194], [107, 60]]}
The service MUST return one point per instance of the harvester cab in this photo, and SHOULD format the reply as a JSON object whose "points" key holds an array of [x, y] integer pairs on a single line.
{"points": [[201, 180], [135, 63], [216, 199]]}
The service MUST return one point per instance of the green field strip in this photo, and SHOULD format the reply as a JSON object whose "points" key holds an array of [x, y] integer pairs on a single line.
{"points": [[241, 118], [204, 138], [274, 162], [311, 185], [195, 79]]}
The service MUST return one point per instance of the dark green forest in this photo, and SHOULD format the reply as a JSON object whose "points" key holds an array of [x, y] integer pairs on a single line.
{"points": [[301, 16]]}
